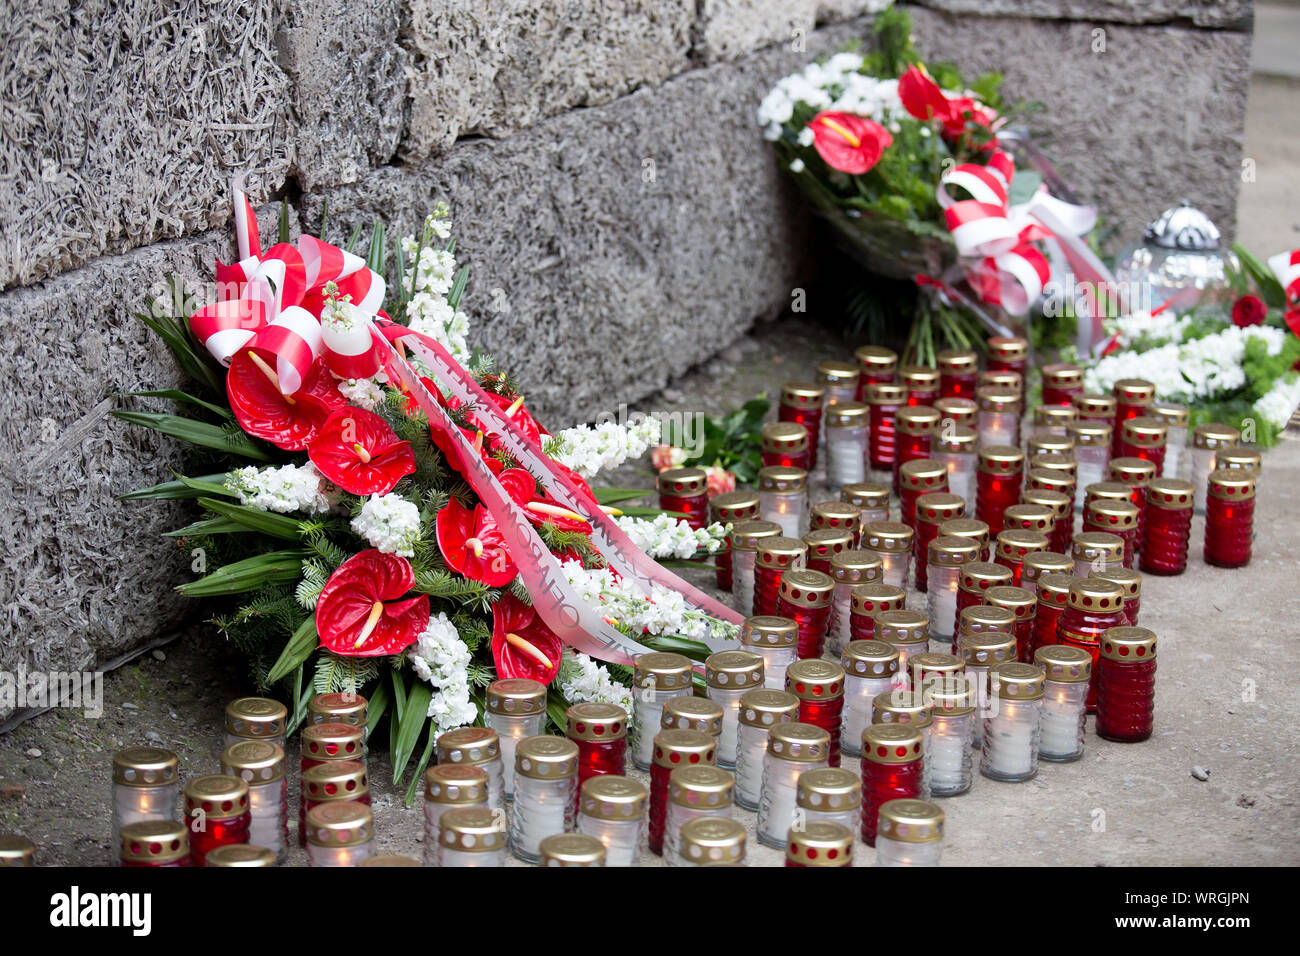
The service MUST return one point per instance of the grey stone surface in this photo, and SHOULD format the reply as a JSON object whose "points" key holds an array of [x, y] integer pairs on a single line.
{"points": [[494, 68], [1158, 115], [730, 28], [1229, 14]]}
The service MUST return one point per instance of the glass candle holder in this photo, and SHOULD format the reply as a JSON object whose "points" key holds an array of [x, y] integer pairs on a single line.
{"points": [[1068, 673], [1060, 506], [914, 426], [710, 841], [775, 640], [872, 499], [600, 731], [998, 477], [572, 849], [922, 384], [612, 809], [823, 545], [1244, 457], [980, 651], [1061, 383], [472, 836], [1094, 606], [805, 598], [847, 426], [905, 631], [981, 618], [760, 711], [1143, 438], [1175, 419], [948, 555], [831, 795], [216, 813], [883, 401], [1093, 406], [481, 747], [1229, 517], [868, 600], [849, 570], [931, 666], [999, 415], [893, 758], [326, 743], [876, 365], [516, 708], [340, 707], [1092, 452], [819, 686], [685, 492], [1126, 684], [933, 509], [1207, 441], [693, 713], [970, 528], [728, 675], [952, 729], [892, 540], [1012, 731], [248, 856], [1096, 551], [446, 787], [839, 379], [958, 370], [911, 707], [1130, 583], [958, 411], [656, 677], [837, 516], [1166, 526], [783, 498], [1053, 593], [17, 851], [802, 402], [953, 446], [792, 748], [153, 843], [673, 748], [974, 579], [732, 507], [145, 787], [1132, 398], [785, 443], [1054, 473], [255, 718], [776, 555], [1135, 474], [545, 793], [1023, 604], [1030, 516], [694, 793], [341, 833], [1014, 545], [329, 782], [1052, 420], [870, 669], [1037, 445], [261, 765], [910, 834], [819, 844], [922, 477], [1008, 353], [744, 539]]}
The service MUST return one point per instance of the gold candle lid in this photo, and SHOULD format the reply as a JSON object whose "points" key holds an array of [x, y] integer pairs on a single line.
{"points": [[889, 537], [847, 415], [815, 679], [712, 841], [154, 841], [866, 494], [857, 567], [954, 440], [516, 697], [1062, 375], [971, 528], [1057, 502], [692, 713], [1021, 602], [837, 373], [950, 551], [1089, 432], [766, 707], [144, 767], [1108, 491], [701, 787], [1003, 380], [782, 479], [1144, 432], [662, 670], [255, 717], [1112, 515], [1008, 348], [674, 747], [916, 420], [784, 438], [1014, 543], [475, 745], [389, 859], [923, 475], [16, 850], [1055, 416], [1232, 484], [986, 648], [1134, 391], [781, 553], [824, 543], [545, 757], [1016, 681], [979, 576], [472, 830], [1000, 459], [1092, 405], [332, 741], [1244, 457], [239, 855], [949, 695], [1054, 588], [768, 630], [683, 482], [892, 743], [919, 378], [1092, 546], [1134, 472], [336, 780], [346, 823], [800, 743], [595, 721], [829, 789], [1050, 445], [802, 394], [746, 534], [571, 849], [956, 361], [870, 660], [979, 618], [734, 506], [997, 398], [902, 627], [1128, 645], [886, 393], [807, 588], [1096, 594], [1038, 563], [1175, 416], [962, 411], [614, 797], [876, 358], [836, 515], [911, 821], [446, 783], [936, 507], [1174, 494], [901, 706], [1028, 517], [868, 600], [733, 670], [934, 664], [217, 796], [340, 707], [1054, 471], [1064, 663], [254, 761], [820, 844]]}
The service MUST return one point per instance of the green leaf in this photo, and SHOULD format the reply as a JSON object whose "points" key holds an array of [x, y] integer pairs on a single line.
{"points": [[274, 567], [1023, 186], [184, 398], [411, 724], [458, 287], [377, 257], [354, 239], [284, 222], [187, 488], [296, 651], [254, 519], [695, 650], [377, 706], [196, 433], [175, 333], [634, 511], [1269, 288], [417, 779], [207, 526], [302, 696], [612, 496]]}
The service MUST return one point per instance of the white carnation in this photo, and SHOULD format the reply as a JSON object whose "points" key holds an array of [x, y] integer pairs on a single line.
{"points": [[390, 523], [1278, 404], [363, 392]]}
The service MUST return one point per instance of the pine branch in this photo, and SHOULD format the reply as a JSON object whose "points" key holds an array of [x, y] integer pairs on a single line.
{"points": [[473, 630], [457, 589]]}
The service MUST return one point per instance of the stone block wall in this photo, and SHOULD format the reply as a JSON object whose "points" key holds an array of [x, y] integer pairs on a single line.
{"points": [[600, 158]]}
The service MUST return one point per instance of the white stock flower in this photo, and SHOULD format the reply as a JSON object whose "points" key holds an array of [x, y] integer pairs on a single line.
{"points": [[797, 165], [660, 612], [582, 680], [589, 449], [665, 536], [363, 392], [441, 658], [1278, 404], [390, 523], [283, 489]]}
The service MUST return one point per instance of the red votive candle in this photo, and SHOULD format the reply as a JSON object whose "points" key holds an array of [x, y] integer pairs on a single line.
{"points": [[731, 508], [785, 443], [1023, 604], [600, 731], [918, 478], [931, 509], [1143, 438], [823, 544], [672, 749], [328, 781], [1061, 506], [685, 491], [1132, 398], [1041, 511], [892, 769], [922, 384], [1229, 517], [1009, 353], [1094, 606], [958, 371], [217, 813], [837, 516], [1095, 407], [819, 685], [776, 555], [998, 476], [1166, 526], [868, 600], [976, 578], [801, 402], [1136, 474], [883, 401], [1053, 593], [1061, 382], [1130, 583], [819, 843], [913, 426], [1013, 545], [1126, 684], [877, 366], [805, 598], [1119, 518], [155, 843]]}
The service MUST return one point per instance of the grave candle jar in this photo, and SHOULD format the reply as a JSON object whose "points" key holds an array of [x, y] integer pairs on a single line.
{"points": [[328, 782], [999, 415], [326, 743], [847, 427], [254, 718], [915, 426], [153, 843], [971, 529], [612, 809], [906, 632], [145, 787], [673, 748], [1061, 383], [783, 498], [805, 598], [481, 747], [961, 411], [785, 443], [1243, 457], [831, 795], [745, 537], [849, 569], [868, 600], [732, 507], [1207, 441], [1038, 563], [819, 685], [600, 731], [870, 669], [892, 540], [545, 793], [883, 402], [801, 402], [1053, 593], [953, 446], [1095, 605], [922, 384], [837, 516], [918, 478], [1096, 551], [931, 666], [711, 841], [760, 711], [977, 577], [216, 813], [1092, 452], [776, 556], [572, 849], [910, 834], [839, 379], [260, 764], [1023, 604], [685, 492], [1229, 517], [1175, 419], [948, 748], [1166, 526], [878, 366], [1068, 672], [892, 767], [1135, 474], [1093, 406], [472, 836], [1061, 507], [728, 675], [657, 677], [1050, 445], [1130, 583], [1012, 547], [1054, 472], [339, 708], [871, 497], [1143, 438], [340, 834], [1053, 420], [1008, 353], [824, 545], [694, 793], [516, 708], [948, 555], [933, 509], [981, 618], [792, 748], [957, 373], [1029, 516], [447, 786], [1119, 518], [819, 844], [775, 640], [998, 477], [979, 651], [910, 707], [1106, 491], [1004, 381], [1132, 398], [1126, 684], [1012, 731], [693, 713]]}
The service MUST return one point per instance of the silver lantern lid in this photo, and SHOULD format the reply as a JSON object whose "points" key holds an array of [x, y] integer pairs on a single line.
{"points": [[1183, 227]]}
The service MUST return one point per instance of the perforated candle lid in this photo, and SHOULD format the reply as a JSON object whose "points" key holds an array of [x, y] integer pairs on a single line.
{"points": [[336, 780], [712, 841], [1128, 579], [746, 534], [870, 599], [815, 679], [1173, 494], [474, 745], [870, 660], [956, 361], [829, 789], [1096, 594], [701, 787], [1016, 681], [856, 566], [901, 706], [1175, 416], [1046, 474], [1107, 491], [891, 537], [1027, 516], [683, 748], [911, 821], [144, 767], [1245, 457], [836, 515], [661, 670], [1050, 445], [345, 823], [936, 507], [886, 393], [916, 420], [1135, 391], [802, 394], [1055, 416], [950, 696], [1088, 432], [985, 617], [1213, 435], [154, 841], [1053, 588], [997, 398], [1232, 484], [734, 506], [902, 627], [782, 479], [217, 796], [1092, 546], [733, 670], [1092, 405], [682, 482], [692, 713], [254, 761], [1003, 379], [820, 844], [1128, 645], [1134, 472], [767, 707], [614, 797], [338, 708], [986, 648], [962, 411], [923, 474], [807, 588], [239, 856], [1014, 543], [546, 757], [595, 721], [472, 830], [1062, 375], [933, 664], [839, 374], [571, 849], [1008, 348], [847, 415], [1003, 460], [979, 576], [798, 742], [1144, 432], [825, 543], [970, 528], [516, 697], [892, 743], [1038, 563], [332, 741], [1064, 663], [1021, 602], [951, 551], [781, 553], [255, 717], [866, 494], [447, 783], [769, 630], [876, 358], [784, 438], [954, 440], [919, 378]]}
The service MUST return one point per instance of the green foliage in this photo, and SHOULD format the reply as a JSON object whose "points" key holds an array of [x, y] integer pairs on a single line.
{"points": [[457, 589], [892, 50], [734, 441], [335, 673]]}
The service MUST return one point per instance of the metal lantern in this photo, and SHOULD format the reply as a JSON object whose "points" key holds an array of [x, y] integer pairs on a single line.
{"points": [[1180, 252]]}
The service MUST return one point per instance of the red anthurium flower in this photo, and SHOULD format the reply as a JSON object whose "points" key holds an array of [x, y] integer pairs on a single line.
{"points": [[360, 453], [965, 111], [472, 544], [522, 644], [1249, 310], [361, 612], [849, 143], [541, 509], [263, 411], [513, 409], [921, 96]]}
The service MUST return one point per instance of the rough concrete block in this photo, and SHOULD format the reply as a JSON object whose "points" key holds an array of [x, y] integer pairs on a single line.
{"points": [[1222, 14], [833, 11], [496, 67], [1156, 115], [726, 29]]}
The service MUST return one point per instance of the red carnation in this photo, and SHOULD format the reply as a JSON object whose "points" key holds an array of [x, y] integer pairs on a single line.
{"points": [[472, 544], [360, 612], [1249, 310], [849, 143], [263, 411], [522, 644], [360, 453]]}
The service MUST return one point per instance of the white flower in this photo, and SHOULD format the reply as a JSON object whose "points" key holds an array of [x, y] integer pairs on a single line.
{"points": [[797, 165], [805, 137], [659, 612], [283, 489], [363, 392], [582, 680], [441, 658], [1278, 404], [589, 449], [390, 523], [434, 316], [665, 536]]}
